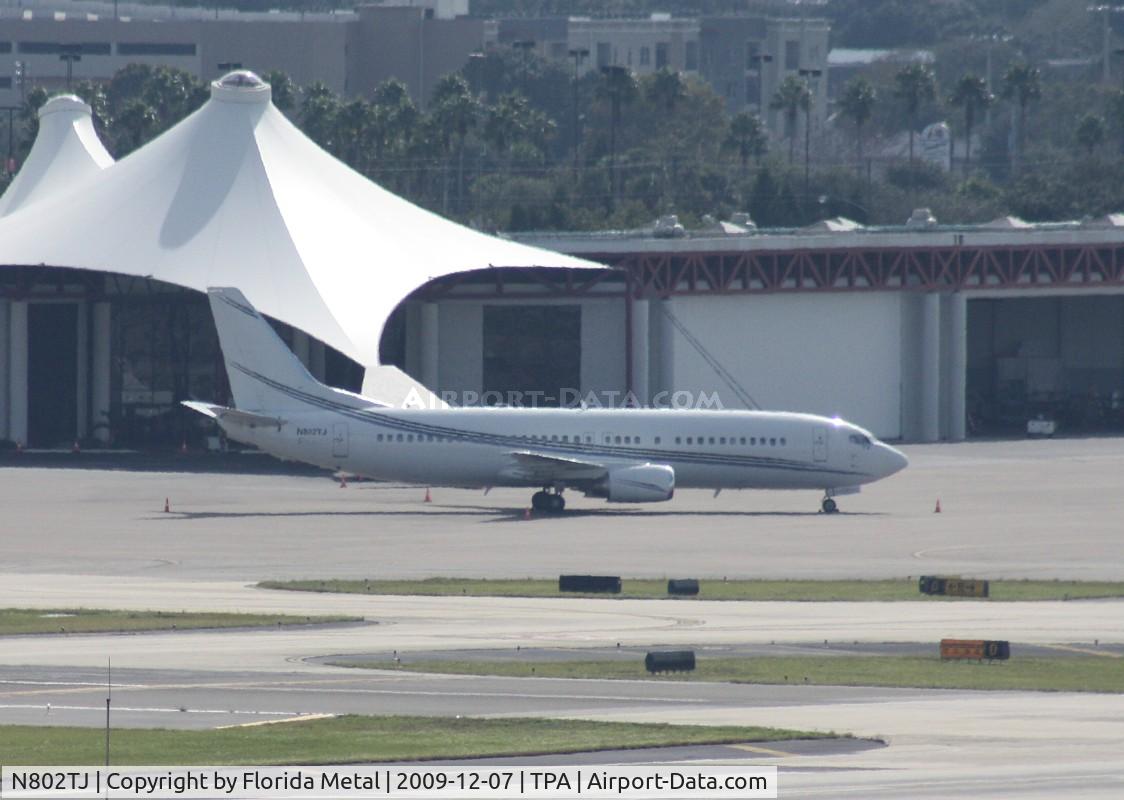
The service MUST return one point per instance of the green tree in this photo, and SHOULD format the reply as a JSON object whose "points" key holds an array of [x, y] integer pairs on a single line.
{"points": [[746, 136], [354, 127], [914, 85], [791, 97], [665, 89], [135, 123], [283, 90], [454, 112], [1090, 132], [618, 88], [970, 94], [1022, 83], [857, 103], [318, 113]]}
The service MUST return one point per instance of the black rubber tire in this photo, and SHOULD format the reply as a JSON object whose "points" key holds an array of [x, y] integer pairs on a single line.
{"points": [[557, 504], [540, 501], [829, 506]]}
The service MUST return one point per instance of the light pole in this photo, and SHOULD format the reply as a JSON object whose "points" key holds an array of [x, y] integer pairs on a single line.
{"points": [[70, 53], [579, 54], [805, 74], [759, 60]]}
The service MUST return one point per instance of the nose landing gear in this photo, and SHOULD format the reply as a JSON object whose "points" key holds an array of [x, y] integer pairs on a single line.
{"points": [[549, 501], [829, 506]]}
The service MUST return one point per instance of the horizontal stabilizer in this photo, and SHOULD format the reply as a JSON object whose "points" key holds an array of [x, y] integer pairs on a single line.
{"points": [[233, 416]]}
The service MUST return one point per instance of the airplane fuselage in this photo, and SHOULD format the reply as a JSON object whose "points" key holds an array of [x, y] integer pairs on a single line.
{"points": [[473, 447]]}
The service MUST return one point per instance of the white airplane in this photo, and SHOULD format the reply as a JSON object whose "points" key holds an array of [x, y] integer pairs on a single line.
{"points": [[623, 455]]}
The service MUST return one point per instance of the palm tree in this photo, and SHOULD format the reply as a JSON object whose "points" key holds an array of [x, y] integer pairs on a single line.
{"points": [[355, 123], [505, 123], [972, 95], [393, 121], [914, 85], [857, 102], [455, 111], [1023, 84], [135, 122], [618, 87], [1090, 132], [282, 90], [318, 115], [792, 96], [747, 136], [665, 89]]}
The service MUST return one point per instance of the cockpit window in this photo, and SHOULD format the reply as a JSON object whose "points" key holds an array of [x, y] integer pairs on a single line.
{"points": [[860, 439]]}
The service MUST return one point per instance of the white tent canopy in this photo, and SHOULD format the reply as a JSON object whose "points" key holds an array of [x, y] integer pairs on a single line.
{"points": [[236, 195], [66, 152]]}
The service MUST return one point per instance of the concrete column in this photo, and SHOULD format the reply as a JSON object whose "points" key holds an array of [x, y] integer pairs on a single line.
{"points": [[666, 356], [412, 355], [957, 366], [317, 360], [930, 367], [641, 339], [429, 333], [82, 383], [100, 371], [17, 371], [301, 348]]}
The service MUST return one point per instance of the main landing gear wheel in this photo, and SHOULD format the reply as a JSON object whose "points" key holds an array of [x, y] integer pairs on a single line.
{"points": [[829, 506], [551, 502]]}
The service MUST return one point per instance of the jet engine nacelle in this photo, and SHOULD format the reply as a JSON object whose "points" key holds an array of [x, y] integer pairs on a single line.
{"points": [[647, 483]]}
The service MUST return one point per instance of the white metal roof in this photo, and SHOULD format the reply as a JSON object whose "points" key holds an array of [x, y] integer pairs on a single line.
{"points": [[236, 195], [66, 152]]}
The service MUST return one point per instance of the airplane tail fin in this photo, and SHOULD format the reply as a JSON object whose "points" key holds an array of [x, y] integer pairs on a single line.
{"points": [[264, 373]]}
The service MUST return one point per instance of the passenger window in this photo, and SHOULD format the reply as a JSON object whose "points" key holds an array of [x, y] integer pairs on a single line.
{"points": [[657, 440], [722, 440], [616, 440], [782, 441], [753, 440], [400, 437], [677, 440], [566, 437], [772, 442], [743, 440], [554, 437], [688, 440], [378, 438]]}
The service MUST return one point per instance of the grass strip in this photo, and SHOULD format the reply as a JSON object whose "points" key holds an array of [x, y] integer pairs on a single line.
{"points": [[353, 739], [718, 589], [1069, 674], [16, 621]]}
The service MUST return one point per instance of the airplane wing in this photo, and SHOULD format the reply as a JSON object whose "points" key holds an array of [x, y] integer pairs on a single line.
{"points": [[532, 466], [233, 415]]}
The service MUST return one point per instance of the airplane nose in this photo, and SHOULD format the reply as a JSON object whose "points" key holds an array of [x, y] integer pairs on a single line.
{"points": [[894, 460]]}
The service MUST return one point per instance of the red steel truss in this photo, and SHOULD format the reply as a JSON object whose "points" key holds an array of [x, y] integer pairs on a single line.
{"points": [[938, 268]]}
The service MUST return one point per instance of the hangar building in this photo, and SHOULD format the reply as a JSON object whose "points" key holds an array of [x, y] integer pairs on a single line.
{"points": [[918, 332]]}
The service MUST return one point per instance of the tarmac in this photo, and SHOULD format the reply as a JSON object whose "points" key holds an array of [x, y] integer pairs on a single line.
{"points": [[95, 534]]}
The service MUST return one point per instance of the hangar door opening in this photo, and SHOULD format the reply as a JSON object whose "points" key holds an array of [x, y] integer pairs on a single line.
{"points": [[532, 355], [1058, 358], [52, 374]]}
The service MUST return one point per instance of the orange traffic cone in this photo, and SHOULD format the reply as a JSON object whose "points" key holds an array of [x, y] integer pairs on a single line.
{"points": [[428, 499], [167, 507], [937, 510]]}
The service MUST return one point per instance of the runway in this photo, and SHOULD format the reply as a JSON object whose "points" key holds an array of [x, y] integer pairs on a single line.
{"points": [[1046, 509]]}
